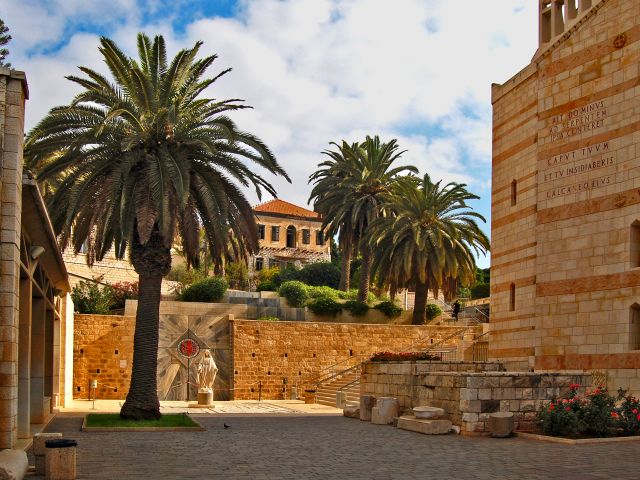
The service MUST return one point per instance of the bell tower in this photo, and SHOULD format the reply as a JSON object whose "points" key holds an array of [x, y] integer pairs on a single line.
{"points": [[558, 16]]}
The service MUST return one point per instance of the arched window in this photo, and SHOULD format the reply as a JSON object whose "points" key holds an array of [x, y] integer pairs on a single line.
{"points": [[291, 236]]}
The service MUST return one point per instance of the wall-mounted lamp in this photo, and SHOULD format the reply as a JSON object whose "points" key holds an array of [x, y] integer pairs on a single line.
{"points": [[35, 251]]}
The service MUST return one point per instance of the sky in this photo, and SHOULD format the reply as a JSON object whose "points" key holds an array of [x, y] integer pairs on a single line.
{"points": [[314, 71]]}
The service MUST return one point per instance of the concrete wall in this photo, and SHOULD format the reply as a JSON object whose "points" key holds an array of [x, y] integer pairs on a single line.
{"points": [[566, 131]]}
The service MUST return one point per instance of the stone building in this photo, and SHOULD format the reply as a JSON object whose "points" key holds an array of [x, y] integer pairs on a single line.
{"points": [[289, 236], [36, 328], [565, 273]]}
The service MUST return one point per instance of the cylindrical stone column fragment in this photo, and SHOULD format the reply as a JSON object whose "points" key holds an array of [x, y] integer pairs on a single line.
{"points": [[366, 406], [60, 459]]}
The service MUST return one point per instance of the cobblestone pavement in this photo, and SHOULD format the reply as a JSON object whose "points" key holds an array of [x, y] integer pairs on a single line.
{"points": [[333, 447]]}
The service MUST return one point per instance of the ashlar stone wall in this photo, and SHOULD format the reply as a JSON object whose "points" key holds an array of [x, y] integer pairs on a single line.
{"points": [[272, 352], [468, 391]]}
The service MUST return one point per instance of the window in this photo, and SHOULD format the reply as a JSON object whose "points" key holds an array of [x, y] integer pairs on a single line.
{"points": [[273, 263], [291, 236], [275, 234], [260, 232], [319, 238], [635, 244], [259, 264], [634, 327], [512, 297], [306, 236], [514, 192]]}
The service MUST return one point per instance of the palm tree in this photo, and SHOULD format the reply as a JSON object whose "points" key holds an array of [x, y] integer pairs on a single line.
{"points": [[327, 201], [140, 158], [428, 239], [366, 181]]}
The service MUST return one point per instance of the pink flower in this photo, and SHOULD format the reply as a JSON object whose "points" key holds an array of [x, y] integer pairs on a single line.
{"points": [[574, 386], [568, 409], [634, 411], [638, 417]]}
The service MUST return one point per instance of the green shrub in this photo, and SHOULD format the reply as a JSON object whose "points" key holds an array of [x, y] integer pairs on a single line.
{"points": [[433, 311], [325, 292], [325, 306], [481, 290], [208, 290], [320, 274], [464, 292], [89, 297], [594, 415], [295, 292], [353, 295], [389, 308], [267, 286], [186, 276], [237, 276], [355, 308], [269, 318], [286, 275], [403, 356], [267, 274]]}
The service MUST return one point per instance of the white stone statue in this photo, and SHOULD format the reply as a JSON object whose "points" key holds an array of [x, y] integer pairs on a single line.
{"points": [[207, 371]]}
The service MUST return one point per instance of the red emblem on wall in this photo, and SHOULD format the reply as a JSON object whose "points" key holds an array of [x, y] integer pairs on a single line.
{"points": [[188, 348]]}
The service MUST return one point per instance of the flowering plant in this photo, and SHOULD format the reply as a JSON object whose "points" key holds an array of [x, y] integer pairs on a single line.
{"points": [[402, 356], [596, 414], [123, 290]]}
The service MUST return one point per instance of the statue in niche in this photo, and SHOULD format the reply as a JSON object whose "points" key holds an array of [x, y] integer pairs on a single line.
{"points": [[207, 371]]}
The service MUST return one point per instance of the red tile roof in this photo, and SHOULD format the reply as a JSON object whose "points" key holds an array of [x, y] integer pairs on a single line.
{"points": [[280, 207]]}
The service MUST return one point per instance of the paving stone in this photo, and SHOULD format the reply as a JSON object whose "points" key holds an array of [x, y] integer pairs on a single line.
{"points": [[320, 447]]}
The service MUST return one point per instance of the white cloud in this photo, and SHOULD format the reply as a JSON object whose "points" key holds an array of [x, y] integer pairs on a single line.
{"points": [[317, 71]]}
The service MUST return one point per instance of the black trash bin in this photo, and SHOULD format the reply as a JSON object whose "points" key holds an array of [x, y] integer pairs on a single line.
{"points": [[60, 459]]}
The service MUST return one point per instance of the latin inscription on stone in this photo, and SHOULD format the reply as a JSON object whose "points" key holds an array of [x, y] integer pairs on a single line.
{"points": [[578, 120], [585, 160]]}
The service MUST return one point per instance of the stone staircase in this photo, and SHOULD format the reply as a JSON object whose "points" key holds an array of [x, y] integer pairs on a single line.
{"points": [[326, 392]]}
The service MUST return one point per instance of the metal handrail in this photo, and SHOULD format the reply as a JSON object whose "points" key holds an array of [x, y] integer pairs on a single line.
{"points": [[318, 376]]}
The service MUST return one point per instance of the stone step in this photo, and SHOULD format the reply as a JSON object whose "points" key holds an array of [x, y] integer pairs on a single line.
{"points": [[428, 427]]}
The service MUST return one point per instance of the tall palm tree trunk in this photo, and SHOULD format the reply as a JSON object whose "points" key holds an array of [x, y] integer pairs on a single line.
{"points": [[152, 261], [345, 272], [365, 273], [420, 303]]}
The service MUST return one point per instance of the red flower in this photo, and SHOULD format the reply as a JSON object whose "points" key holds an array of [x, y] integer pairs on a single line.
{"points": [[634, 411], [568, 409], [574, 386], [614, 415], [638, 417]]}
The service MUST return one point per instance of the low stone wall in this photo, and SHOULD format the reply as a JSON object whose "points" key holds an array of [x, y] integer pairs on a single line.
{"points": [[468, 391], [373, 316], [272, 353]]}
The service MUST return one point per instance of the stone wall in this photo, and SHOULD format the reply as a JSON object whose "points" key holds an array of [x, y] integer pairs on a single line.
{"points": [[565, 270], [13, 93], [102, 350], [271, 353], [468, 391]]}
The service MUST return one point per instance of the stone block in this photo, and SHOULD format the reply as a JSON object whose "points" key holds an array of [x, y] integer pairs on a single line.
{"points": [[468, 394], [341, 400], [470, 406], [484, 394], [351, 411], [489, 406], [367, 402], [428, 413], [13, 464], [39, 449], [386, 408], [501, 424], [427, 427]]}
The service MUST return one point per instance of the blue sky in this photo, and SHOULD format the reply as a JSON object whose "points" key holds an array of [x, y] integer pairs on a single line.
{"points": [[315, 71]]}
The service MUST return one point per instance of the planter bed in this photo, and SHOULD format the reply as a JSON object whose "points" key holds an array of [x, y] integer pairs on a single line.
{"points": [[111, 422], [576, 441]]}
